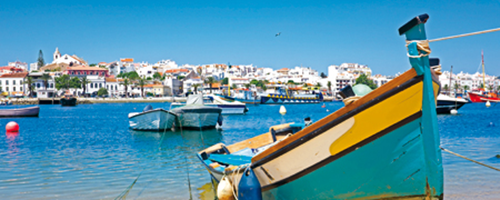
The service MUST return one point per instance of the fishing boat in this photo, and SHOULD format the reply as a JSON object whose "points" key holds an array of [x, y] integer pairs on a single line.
{"points": [[152, 119], [234, 107], [196, 115], [482, 95], [20, 112], [68, 99], [446, 103], [243, 96], [284, 96], [383, 145]]}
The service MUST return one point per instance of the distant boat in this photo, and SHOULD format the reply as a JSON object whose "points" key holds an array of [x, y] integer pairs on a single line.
{"points": [[243, 96], [152, 119], [228, 107], [383, 145], [68, 100], [20, 112], [445, 104], [285, 96], [483, 95], [196, 115]]}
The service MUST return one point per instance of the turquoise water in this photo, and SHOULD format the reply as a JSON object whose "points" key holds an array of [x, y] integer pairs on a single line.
{"points": [[88, 152]]}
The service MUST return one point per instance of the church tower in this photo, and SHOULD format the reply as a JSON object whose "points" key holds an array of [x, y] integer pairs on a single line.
{"points": [[57, 55]]}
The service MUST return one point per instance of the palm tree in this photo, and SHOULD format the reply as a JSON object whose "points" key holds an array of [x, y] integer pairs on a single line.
{"points": [[141, 82], [29, 82], [85, 81], [210, 81], [466, 87], [196, 88], [45, 77], [126, 83], [329, 84]]}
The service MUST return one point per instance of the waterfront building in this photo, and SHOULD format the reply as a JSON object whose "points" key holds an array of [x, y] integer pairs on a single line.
{"points": [[13, 83], [19, 65], [67, 59], [175, 85], [34, 67], [465, 81], [379, 80], [9, 70]]}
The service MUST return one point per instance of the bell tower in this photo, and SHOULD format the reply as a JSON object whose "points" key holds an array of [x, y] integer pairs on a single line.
{"points": [[57, 55]]}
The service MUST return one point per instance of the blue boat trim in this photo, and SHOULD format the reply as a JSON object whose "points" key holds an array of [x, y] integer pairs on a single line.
{"points": [[337, 121], [345, 152]]}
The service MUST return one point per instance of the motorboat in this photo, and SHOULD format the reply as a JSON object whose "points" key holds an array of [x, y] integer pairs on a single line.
{"points": [[195, 115], [381, 145], [446, 103], [68, 99], [241, 95], [285, 96], [234, 107], [20, 112], [152, 119]]}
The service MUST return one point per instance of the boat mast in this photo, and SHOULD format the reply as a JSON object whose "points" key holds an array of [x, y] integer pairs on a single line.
{"points": [[484, 79], [451, 77]]}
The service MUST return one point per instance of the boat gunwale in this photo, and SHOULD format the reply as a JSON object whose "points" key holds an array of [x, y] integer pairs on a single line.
{"points": [[154, 110]]}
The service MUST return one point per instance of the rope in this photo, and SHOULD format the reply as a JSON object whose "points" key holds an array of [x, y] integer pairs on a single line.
{"points": [[477, 162], [350, 100], [465, 35], [422, 45]]}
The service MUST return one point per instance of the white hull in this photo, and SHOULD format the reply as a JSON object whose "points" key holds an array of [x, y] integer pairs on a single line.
{"points": [[197, 117], [229, 108], [153, 120]]}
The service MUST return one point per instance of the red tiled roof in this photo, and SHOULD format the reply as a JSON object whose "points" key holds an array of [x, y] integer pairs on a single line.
{"points": [[284, 69], [127, 60], [15, 75], [86, 68], [176, 71], [110, 79]]}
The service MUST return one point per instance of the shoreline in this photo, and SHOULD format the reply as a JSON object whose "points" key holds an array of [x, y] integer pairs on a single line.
{"points": [[49, 101]]}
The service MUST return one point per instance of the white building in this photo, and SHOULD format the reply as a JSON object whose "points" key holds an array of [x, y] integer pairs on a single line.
{"points": [[13, 83], [67, 59]]}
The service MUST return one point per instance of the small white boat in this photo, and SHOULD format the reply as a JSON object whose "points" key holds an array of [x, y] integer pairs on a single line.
{"points": [[152, 119], [20, 112], [227, 107], [196, 115], [445, 104]]}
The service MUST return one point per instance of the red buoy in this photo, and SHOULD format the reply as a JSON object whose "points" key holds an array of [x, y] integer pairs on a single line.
{"points": [[12, 127]]}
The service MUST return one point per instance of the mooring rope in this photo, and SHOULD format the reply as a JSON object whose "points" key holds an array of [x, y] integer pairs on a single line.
{"points": [[477, 162], [465, 35]]}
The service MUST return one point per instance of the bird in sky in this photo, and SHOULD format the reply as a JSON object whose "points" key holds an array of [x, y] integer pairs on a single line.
{"points": [[278, 34]]}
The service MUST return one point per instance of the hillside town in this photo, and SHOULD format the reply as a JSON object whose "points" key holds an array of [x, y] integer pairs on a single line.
{"points": [[128, 78]]}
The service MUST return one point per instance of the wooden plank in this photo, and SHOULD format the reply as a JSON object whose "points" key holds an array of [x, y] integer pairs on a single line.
{"points": [[255, 142], [377, 92], [212, 148]]}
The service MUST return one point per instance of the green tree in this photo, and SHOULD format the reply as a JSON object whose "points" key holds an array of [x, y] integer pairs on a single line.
{"points": [[364, 79], [126, 83], [148, 78], [29, 82], [133, 75], [480, 85], [210, 81], [234, 86], [157, 76], [329, 84], [75, 82], [225, 81], [466, 87], [84, 81], [291, 82], [141, 82], [45, 78], [196, 88], [92, 65], [247, 85], [490, 87], [102, 92], [63, 82], [318, 85], [180, 77], [323, 75], [445, 87], [41, 62]]}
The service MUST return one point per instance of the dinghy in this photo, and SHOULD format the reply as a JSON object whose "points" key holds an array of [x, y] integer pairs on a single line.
{"points": [[20, 112], [381, 145], [152, 119], [195, 115]]}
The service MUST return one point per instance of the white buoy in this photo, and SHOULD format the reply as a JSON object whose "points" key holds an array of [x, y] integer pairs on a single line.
{"points": [[224, 189], [282, 110], [488, 104], [453, 111]]}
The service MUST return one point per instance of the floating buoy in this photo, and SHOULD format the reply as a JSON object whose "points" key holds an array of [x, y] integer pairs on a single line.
{"points": [[323, 106], [224, 189], [282, 110], [488, 104], [12, 127], [327, 110], [453, 111]]}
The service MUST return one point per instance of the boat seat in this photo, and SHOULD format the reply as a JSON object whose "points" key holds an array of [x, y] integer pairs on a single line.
{"points": [[230, 159]]}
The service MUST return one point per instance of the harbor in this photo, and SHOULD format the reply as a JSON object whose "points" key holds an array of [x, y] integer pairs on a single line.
{"points": [[101, 154]]}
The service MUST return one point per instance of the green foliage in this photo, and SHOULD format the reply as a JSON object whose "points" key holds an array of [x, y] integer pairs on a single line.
{"points": [[291, 82], [92, 65], [130, 75], [254, 82], [210, 81], [29, 82], [364, 79], [247, 86], [46, 77], [225, 81], [34, 71], [323, 75], [40, 61], [445, 87], [149, 78], [466, 87], [66, 82], [102, 66], [126, 82], [234, 86], [140, 83], [318, 85], [180, 77], [157, 76], [102, 91]]}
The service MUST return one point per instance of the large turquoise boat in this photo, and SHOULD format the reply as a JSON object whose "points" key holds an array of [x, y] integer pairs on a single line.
{"points": [[384, 145]]}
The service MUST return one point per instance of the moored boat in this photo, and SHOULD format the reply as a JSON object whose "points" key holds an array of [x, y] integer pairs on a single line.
{"points": [[445, 104], [243, 96], [234, 107], [383, 145], [284, 96], [152, 119], [196, 115], [68, 100], [20, 112], [481, 98]]}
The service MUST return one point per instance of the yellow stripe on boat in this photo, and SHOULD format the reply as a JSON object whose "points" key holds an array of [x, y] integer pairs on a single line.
{"points": [[381, 116]]}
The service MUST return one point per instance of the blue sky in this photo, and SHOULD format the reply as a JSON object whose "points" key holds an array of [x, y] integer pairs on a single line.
{"points": [[314, 34]]}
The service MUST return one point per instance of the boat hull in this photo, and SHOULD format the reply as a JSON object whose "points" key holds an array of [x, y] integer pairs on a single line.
{"points": [[445, 106], [277, 99], [22, 112], [204, 117], [230, 109], [246, 101], [68, 101], [153, 120], [477, 98]]}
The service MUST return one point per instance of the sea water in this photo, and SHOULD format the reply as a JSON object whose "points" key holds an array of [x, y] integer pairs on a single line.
{"points": [[88, 152]]}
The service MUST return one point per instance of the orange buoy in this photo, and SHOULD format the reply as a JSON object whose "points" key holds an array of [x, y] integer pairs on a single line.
{"points": [[12, 127]]}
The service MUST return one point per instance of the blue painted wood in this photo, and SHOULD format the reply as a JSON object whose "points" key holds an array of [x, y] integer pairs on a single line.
{"points": [[249, 186], [430, 133], [230, 159]]}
